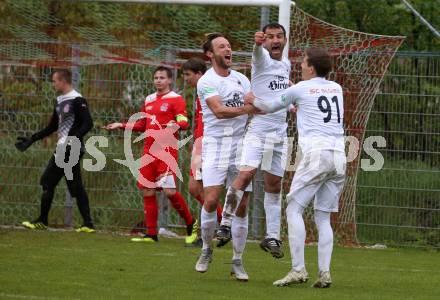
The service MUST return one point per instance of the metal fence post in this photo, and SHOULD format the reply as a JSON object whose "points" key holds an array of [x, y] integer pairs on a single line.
{"points": [[258, 182]]}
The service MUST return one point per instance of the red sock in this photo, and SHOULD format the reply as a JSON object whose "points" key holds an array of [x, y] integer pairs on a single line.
{"points": [[219, 213], [199, 198], [179, 204], [151, 211]]}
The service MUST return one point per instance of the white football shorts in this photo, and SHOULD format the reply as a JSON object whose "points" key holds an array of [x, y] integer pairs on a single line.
{"points": [[220, 157], [320, 176], [266, 145]]}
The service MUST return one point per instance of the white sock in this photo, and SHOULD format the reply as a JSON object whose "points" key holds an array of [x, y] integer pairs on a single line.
{"points": [[297, 234], [239, 235], [325, 239], [208, 221], [232, 200], [272, 208]]}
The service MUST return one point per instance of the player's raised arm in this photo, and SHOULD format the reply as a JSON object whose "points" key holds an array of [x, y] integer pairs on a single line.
{"points": [[258, 56]]}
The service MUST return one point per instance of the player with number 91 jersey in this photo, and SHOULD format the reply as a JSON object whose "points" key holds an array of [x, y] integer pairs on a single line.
{"points": [[320, 113]]}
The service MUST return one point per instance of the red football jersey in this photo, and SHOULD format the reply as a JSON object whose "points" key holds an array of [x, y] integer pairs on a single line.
{"points": [[161, 109], [198, 120]]}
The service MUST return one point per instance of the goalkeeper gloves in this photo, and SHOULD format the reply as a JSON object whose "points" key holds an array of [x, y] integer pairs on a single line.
{"points": [[23, 143]]}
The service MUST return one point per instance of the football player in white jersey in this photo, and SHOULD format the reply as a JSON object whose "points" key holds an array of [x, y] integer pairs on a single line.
{"points": [[266, 135], [320, 174], [221, 92]]}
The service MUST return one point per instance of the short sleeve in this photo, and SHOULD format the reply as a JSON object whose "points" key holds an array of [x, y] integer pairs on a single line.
{"points": [[206, 89]]}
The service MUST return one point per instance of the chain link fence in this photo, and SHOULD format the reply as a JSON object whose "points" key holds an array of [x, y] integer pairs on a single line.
{"points": [[400, 204], [100, 42]]}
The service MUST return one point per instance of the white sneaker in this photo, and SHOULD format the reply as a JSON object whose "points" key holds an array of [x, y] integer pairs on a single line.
{"points": [[237, 270], [324, 280], [293, 277], [204, 260]]}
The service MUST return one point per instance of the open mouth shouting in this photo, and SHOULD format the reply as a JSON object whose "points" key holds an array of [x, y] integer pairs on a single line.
{"points": [[276, 48], [228, 58]]}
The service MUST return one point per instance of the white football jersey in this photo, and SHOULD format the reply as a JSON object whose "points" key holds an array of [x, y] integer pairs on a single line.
{"points": [[231, 90], [320, 115], [270, 77]]}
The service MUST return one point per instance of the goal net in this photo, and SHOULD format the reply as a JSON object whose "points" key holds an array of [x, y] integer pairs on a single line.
{"points": [[112, 49]]}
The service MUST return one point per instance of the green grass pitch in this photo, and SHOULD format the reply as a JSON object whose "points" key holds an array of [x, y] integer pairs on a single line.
{"points": [[68, 265]]}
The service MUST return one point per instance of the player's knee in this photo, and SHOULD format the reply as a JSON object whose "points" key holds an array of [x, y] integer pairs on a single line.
{"points": [[46, 185], [294, 208], [272, 187], [243, 179], [322, 220], [272, 184], [194, 188], [211, 197], [75, 187], [46, 189], [210, 204], [44, 182]]}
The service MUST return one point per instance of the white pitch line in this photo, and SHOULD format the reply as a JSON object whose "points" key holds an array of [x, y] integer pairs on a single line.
{"points": [[164, 254]]}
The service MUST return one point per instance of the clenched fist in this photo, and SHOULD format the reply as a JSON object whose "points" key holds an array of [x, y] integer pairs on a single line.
{"points": [[260, 37]]}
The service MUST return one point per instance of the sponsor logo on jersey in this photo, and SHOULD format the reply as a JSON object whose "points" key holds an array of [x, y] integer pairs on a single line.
{"points": [[209, 90], [66, 108], [278, 83], [236, 101], [164, 107]]}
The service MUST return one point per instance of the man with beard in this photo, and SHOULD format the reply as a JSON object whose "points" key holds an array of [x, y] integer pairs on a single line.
{"points": [[264, 140], [221, 91], [193, 70]]}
